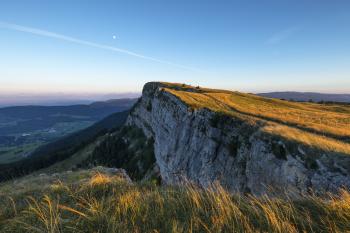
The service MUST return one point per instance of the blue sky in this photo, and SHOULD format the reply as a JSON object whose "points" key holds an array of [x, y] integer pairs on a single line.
{"points": [[252, 46]]}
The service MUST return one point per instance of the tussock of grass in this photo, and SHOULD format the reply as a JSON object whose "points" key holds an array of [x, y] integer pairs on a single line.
{"points": [[326, 126], [104, 203]]}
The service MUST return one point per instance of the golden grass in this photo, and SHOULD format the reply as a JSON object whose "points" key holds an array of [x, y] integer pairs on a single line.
{"points": [[100, 179], [308, 115], [116, 206], [316, 141], [323, 126]]}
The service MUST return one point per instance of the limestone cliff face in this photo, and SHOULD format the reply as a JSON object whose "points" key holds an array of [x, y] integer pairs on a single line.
{"points": [[199, 146]]}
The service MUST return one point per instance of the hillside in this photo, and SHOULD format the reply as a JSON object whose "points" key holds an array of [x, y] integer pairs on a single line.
{"points": [[22, 119], [122, 147], [247, 142], [63, 149], [308, 96], [104, 200], [25, 128]]}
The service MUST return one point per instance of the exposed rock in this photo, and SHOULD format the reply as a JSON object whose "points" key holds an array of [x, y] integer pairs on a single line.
{"points": [[200, 146], [114, 172]]}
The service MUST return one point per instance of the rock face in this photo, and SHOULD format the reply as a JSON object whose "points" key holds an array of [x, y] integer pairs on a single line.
{"points": [[203, 147]]}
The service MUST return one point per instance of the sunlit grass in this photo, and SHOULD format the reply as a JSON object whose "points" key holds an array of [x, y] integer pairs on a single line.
{"points": [[108, 204], [322, 126], [316, 141], [100, 179], [308, 115]]}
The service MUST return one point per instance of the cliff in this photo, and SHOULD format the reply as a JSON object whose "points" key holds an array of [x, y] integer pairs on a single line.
{"points": [[246, 143]]}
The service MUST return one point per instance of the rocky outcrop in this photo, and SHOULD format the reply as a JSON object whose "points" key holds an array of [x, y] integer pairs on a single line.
{"points": [[203, 146], [111, 171]]}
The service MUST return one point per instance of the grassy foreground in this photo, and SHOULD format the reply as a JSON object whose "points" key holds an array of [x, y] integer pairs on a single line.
{"points": [[90, 201]]}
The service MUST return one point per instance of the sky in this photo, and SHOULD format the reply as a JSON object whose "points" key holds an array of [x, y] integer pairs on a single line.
{"points": [[102, 47]]}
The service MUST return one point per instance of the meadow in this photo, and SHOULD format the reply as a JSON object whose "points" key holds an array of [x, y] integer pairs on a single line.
{"points": [[95, 201]]}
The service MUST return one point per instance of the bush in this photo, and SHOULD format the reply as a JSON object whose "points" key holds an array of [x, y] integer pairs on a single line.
{"points": [[216, 119]]}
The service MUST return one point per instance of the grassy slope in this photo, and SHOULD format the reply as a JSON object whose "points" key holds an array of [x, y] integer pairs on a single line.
{"points": [[62, 149], [71, 162], [326, 127], [87, 201]]}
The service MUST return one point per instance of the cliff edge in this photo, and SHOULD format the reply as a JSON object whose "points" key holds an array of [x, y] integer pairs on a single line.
{"points": [[246, 143]]}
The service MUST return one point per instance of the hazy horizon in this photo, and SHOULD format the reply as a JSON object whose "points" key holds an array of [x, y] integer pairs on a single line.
{"points": [[77, 48], [54, 99], [63, 99]]}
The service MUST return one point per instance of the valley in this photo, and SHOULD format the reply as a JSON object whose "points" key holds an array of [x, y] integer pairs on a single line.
{"points": [[23, 129], [20, 145]]}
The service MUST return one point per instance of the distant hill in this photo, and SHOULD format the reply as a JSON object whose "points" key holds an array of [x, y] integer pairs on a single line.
{"points": [[26, 119], [94, 110], [62, 148], [58, 99], [307, 96], [25, 128]]}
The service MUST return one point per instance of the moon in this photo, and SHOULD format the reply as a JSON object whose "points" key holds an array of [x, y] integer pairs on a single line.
{"points": [[114, 37]]}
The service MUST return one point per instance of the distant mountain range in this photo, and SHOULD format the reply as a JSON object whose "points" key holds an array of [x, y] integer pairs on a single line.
{"points": [[58, 99], [28, 118], [307, 96]]}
